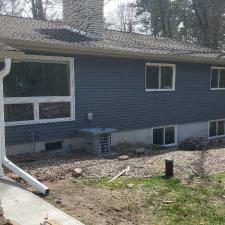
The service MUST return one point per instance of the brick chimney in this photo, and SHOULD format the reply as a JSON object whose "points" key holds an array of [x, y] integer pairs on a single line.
{"points": [[86, 16]]}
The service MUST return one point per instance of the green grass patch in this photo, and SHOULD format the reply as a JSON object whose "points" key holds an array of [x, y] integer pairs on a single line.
{"points": [[125, 182], [175, 203]]}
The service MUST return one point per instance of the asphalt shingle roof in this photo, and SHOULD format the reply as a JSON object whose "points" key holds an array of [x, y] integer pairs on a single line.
{"points": [[49, 33], [4, 47]]}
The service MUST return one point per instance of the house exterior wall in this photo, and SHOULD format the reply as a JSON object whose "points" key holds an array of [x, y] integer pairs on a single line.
{"points": [[144, 136], [114, 91]]}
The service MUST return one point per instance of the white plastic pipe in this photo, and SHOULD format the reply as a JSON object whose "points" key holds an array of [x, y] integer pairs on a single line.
{"points": [[3, 158]]}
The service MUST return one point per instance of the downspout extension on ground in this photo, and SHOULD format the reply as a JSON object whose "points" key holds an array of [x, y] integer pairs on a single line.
{"points": [[3, 158]]}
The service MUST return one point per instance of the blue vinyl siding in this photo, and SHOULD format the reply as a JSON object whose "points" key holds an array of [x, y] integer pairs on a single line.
{"points": [[114, 91]]}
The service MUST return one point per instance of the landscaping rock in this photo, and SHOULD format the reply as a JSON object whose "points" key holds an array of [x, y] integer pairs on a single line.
{"points": [[192, 144], [216, 143], [58, 201], [130, 185], [151, 163], [140, 150], [77, 172], [123, 157], [31, 189], [14, 176]]}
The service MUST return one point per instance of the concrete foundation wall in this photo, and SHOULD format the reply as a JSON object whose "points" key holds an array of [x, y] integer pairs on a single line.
{"points": [[137, 136], [67, 144], [192, 130], [144, 136]]}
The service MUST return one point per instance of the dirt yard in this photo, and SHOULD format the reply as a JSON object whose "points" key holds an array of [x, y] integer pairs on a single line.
{"points": [[51, 167], [98, 205], [141, 201], [140, 198]]}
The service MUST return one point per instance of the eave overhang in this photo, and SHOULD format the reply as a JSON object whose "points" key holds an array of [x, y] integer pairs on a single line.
{"points": [[110, 52]]}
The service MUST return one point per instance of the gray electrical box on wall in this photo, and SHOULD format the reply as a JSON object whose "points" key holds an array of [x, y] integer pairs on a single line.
{"points": [[89, 116]]}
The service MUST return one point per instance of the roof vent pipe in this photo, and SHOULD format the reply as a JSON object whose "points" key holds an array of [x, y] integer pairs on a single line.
{"points": [[3, 158]]}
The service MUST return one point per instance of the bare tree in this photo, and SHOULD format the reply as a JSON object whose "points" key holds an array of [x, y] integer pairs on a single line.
{"points": [[2, 6], [38, 9], [10, 7], [124, 19], [44, 9]]}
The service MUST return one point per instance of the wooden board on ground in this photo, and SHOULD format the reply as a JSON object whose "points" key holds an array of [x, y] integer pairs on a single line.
{"points": [[53, 222], [50, 222], [13, 223]]}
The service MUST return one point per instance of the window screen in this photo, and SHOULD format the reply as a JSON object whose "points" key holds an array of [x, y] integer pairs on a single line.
{"points": [[220, 128], [218, 78], [159, 77], [19, 112], [28, 79], [169, 135], [213, 129], [152, 77], [222, 78], [214, 79], [216, 128], [166, 77], [164, 136], [54, 110], [39, 90], [158, 136]]}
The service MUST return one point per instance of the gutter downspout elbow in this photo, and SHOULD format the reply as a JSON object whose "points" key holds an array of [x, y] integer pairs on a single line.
{"points": [[7, 68]]}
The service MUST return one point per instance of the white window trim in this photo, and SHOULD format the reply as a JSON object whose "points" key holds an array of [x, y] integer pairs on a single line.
{"points": [[218, 88], [161, 65], [218, 136], [49, 99], [164, 127]]}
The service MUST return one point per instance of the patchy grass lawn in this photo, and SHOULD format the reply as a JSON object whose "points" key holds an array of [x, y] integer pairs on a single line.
{"points": [[140, 201]]}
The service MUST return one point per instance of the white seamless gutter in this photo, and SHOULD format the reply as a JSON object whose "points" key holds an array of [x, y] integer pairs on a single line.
{"points": [[101, 51], [3, 158]]}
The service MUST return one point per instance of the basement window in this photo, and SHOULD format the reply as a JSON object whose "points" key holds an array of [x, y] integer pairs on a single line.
{"points": [[216, 128], [165, 136], [51, 146], [160, 77], [217, 78], [39, 89]]}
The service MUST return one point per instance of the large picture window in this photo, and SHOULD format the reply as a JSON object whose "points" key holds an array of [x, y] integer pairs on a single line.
{"points": [[160, 77], [165, 136], [218, 78], [39, 89]]}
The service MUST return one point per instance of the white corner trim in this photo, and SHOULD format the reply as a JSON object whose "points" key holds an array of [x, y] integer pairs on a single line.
{"points": [[36, 100], [161, 65]]}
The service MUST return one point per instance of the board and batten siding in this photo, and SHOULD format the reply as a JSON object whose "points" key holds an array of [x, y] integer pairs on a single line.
{"points": [[114, 91]]}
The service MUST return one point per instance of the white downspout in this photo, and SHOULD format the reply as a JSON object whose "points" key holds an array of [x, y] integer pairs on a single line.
{"points": [[3, 158]]}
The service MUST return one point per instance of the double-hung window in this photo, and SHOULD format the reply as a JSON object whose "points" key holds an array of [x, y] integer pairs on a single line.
{"points": [[165, 136], [160, 77], [40, 89], [217, 78], [216, 128]]}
